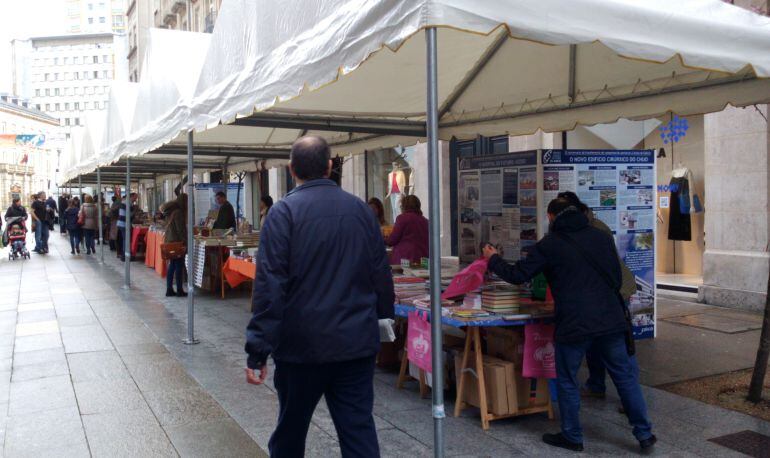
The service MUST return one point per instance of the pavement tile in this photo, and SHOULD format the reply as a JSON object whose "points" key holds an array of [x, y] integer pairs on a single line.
{"points": [[49, 355], [46, 433], [71, 298], [40, 370], [74, 310], [140, 349], [32, 316], [39, 342], [40, 395], [37, 328], [108, 395], [131, 335], [127, 433], [9, 305], [222, 437], [38, 305], [183, 406], [394, 442], [97, 365], [78, 320], [26, 297], [85, 339], [158, 377]]}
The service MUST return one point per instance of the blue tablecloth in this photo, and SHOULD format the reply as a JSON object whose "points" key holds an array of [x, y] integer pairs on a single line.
{"points": [[403, 311]]}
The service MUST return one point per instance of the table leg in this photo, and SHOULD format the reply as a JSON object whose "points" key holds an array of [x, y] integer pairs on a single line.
{"points": [[402, 372], [222, 275], [459, 403], [423, 385], [480, 375]]}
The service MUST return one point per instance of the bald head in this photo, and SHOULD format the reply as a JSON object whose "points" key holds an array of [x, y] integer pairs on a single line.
{"points": [[310, 158]]}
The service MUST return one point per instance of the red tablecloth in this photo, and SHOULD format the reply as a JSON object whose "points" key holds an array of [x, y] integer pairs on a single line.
{"points": [[152, 258], [138, 234], [237, 271]]}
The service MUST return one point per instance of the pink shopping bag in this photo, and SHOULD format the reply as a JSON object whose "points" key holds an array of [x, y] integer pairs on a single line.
{"points": [[539, 351], [418, 342], [467, 280]]}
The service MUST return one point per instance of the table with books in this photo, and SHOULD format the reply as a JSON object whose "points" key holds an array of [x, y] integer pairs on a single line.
{"points": [[503, 311]]}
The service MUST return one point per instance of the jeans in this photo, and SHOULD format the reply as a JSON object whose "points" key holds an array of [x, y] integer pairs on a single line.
{"points": [[75, 239], [89, 236], [120, 243], [624, 374], [349, 391], [597, 373], [175, 266], [41, 235]]}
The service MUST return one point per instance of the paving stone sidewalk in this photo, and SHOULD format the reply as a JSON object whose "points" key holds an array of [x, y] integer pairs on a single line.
{"points": [[90, 368]]}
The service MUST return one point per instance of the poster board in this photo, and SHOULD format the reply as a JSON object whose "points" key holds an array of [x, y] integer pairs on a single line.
{"points": [[497, 203], [619, 187], [204, 198]]}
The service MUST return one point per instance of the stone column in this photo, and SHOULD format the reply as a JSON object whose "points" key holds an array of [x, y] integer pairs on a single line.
{"points": [[354, 175], [735, 263]]}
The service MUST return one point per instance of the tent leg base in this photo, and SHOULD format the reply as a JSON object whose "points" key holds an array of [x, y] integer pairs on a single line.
{"points": [[191, 342]]}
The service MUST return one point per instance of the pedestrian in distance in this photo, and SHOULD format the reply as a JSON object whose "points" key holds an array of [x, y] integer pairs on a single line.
{"points": [[175, 213], [581, 265], [323, 280], [73, 228], [90, 218], [40, 221]]}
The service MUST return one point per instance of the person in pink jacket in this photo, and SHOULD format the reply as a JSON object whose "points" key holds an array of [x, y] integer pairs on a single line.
{"points": [[409, 238]]}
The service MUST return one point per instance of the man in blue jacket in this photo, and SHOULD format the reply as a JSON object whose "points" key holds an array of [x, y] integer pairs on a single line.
{"points": [[323, 281], [581, 265]]}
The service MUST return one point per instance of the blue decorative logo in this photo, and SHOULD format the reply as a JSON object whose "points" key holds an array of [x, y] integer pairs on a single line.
{"points": [[675, 130]]}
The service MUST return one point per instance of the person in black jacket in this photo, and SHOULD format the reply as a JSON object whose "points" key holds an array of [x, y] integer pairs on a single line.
{"points": [[323, 281], [226, 215], [589, 311]]}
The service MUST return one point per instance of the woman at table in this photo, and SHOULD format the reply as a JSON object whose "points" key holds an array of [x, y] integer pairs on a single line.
{"points": [[176, 231], [379, 211], [409, 238], [89, 215], [265, 202]]}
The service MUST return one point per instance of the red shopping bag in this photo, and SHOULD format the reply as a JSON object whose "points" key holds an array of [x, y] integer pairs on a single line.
{"points": [[539, 351], [467, 280], [418, 342]]}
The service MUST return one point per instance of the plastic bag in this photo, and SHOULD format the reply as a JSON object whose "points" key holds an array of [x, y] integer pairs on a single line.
{"points": [[467, 280], [539, 351], [418, 349]]}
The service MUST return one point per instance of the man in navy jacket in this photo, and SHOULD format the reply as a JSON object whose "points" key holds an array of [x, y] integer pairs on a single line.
{"points": [[581, 265], [323, 281]]}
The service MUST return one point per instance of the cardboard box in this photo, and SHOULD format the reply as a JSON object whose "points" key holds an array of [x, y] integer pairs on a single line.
{"points": [[524, 392], [506, 344], [498, 381]]}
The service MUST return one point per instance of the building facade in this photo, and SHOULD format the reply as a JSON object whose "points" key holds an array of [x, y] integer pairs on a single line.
{"points": [[96, 16], [165, 14], [68, 76], [27, 156]]}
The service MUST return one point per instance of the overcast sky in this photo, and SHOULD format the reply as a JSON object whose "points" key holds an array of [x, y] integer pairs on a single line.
{"points": [[23, 19]]}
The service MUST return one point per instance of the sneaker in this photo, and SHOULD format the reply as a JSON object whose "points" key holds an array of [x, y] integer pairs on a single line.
{"points": [[170, 293], [181, 293], [586, 393], [558, 440], [648, 444]]}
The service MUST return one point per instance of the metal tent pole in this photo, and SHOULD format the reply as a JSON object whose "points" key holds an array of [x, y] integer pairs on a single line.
{"points": [[99, 209], [435, 243], [80, 188], [190, 340], [127, 231]]}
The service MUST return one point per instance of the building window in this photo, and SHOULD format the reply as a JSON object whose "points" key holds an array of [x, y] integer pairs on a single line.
{"points": [[56, 61], [66, 60], [76, 59], [86, 105], [77, 105], [37, 92], [56, 77], [85, 75], [105, 58], [76, 75], [77, 121], [102, 20], [96, 59], [90, 20], [47, 107], [56, 91], [96, 105], [90, 7], [47, 76], [96, 74], [66, 121], [38, 107], [104, 74], [117, 21], [57, 107], [66, 106]]}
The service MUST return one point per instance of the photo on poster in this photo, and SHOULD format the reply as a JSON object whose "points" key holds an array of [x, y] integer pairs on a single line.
{"points": [[469, 216], [550, 181], [607, 216], [608, 197], [492, 192], [628, 219], [586, 178], [528, 232], [527, 180], [510, 187], [528, 198], [528, 215], [630, 177], [636, 251]]}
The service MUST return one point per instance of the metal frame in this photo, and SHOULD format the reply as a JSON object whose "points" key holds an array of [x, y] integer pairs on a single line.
{"points": [[190, 340], [127, 229]]}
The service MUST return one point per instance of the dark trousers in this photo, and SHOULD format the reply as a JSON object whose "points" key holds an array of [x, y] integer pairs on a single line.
{"points": [[349, 392], [120, 245], [75, 239], [175, 267], [89, 234], [622, 370]]}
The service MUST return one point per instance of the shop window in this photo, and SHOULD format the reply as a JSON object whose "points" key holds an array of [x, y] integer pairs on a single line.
{"points": [[379, 166]]}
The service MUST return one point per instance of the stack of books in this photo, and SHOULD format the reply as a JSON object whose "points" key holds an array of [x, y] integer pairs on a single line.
{"points": [[463, 312], [472, 300], [500, 300], [408, 288]]}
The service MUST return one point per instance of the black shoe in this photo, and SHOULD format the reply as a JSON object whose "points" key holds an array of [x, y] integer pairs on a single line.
{"points": [[558, 440], [181, 293], [170, 293], [78, 250], [72, 252], [648, 444]]}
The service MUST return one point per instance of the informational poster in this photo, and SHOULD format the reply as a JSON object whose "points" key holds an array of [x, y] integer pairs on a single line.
{"points": [[205, 199], [497, 198], [619, 188]]}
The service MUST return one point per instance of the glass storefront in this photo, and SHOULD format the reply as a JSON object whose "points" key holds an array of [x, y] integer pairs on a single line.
{"points": [[389, 176]]}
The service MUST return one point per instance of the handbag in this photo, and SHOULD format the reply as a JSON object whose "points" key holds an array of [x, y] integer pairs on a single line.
{"points": [[629, 333], [81, 218], [172, 250]]}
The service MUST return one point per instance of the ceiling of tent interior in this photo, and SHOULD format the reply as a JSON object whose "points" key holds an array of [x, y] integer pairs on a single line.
{"points": [[504, 66]]}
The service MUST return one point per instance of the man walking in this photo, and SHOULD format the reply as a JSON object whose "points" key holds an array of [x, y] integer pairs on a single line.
{"points": [[40, 218], [323, 280], [581, 265], [122, 223]]}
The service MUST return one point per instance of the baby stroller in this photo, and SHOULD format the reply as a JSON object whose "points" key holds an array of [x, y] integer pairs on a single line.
{"points": [[15, 235]]}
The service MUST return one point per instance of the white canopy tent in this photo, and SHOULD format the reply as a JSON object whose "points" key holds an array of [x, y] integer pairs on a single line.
{"points": [[359, 68]]}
